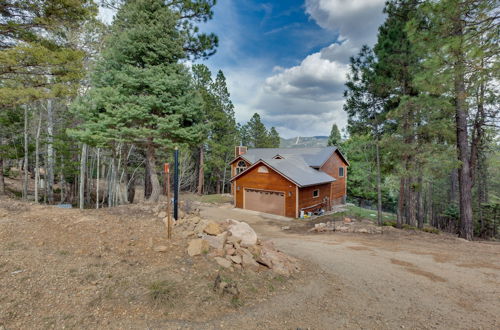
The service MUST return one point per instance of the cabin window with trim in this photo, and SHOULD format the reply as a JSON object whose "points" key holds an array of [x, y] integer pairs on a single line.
{"points": [[263, 169], [341, 171], [240, 167], [315, 193]]}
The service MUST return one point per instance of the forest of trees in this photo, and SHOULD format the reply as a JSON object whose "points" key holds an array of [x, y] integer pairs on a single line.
{"points": [[89, 111], [423, 112]]}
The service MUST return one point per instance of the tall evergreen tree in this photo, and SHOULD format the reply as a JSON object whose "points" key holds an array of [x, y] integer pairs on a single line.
{"points": [[141, 93], [274, 138], [255, 134], [37, 60], [459, 39], [334, 139]]}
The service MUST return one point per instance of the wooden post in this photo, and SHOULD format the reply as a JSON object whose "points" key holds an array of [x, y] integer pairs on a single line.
{"points": [[167, 188]]}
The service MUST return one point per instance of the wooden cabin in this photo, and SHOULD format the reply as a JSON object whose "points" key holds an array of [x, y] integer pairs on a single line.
{"points": [[286, 181]]}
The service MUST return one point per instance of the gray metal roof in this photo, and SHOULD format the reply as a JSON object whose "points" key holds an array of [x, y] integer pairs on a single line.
{"points": [[296, 170], [314, 157]]}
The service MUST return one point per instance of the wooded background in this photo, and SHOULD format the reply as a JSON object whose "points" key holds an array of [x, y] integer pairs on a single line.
{"points": [[90, 112]]}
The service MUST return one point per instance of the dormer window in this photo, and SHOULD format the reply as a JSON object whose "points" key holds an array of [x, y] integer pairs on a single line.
{"points": [[240, 167]]}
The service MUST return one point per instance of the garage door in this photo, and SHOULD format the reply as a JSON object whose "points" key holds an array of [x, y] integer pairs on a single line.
{"points": [[265, 201]]}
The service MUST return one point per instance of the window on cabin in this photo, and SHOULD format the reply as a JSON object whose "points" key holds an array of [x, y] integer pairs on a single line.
{"points": [[315, 193], [240, 167], [341, 171], [263, 169]]}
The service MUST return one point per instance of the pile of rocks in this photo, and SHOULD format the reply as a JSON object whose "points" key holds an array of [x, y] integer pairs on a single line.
{"points": [[233, 245], [348, 225]]}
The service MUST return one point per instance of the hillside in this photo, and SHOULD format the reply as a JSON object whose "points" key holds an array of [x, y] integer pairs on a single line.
{"points": [[304, 142]]}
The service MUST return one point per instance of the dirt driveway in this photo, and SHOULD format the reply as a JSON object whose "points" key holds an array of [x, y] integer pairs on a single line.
{"points": [[394, 280]]}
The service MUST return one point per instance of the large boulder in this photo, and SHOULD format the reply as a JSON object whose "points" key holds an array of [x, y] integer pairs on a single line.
{"points": [[242, 231], [197, 247]]}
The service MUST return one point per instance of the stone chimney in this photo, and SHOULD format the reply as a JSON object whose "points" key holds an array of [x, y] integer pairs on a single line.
{"points": [[239, 150]]}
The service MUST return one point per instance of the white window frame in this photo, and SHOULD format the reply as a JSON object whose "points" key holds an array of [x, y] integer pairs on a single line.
{"points": [[343, 172], [240, 168]]}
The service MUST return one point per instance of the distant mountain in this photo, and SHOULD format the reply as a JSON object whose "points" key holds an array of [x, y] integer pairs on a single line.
{"points": [[304, 142]]}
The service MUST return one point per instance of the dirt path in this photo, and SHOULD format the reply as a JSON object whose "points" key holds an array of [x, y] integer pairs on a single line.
{"points": [[94, 269], [395, 280]]}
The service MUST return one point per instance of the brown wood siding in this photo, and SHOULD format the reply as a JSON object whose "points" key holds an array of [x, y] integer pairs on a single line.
{"points": [[306, 198], [339, 187], [266, 181], [233, 171]]}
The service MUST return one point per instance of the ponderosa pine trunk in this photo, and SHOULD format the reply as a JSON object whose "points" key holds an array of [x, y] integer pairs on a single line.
{"points": [[401, 202], [464, 171], [201, 173], [155, 182], [420, 202]]}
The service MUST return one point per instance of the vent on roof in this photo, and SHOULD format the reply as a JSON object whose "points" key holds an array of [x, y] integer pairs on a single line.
{"points": [[277, 157]]}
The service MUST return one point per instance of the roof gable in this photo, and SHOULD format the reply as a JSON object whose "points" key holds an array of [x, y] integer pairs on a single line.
{"points": [[294, 170]]}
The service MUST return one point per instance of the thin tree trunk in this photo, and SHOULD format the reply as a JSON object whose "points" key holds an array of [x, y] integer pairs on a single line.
{"points": [[2, 181], [420, 203], [97, 180], [224, 176], [201, 173], [83, 167], [401, 203], [379, 189], [26, 152], [62, 182], [37, 158], [147, 181], [155, 183], [50, 152]]}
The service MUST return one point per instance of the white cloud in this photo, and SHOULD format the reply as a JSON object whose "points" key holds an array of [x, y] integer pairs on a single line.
{"points": [[316, 78], [307, 98], [357, 20]]}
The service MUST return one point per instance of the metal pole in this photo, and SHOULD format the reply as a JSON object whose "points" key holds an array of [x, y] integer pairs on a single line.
{"points": [[176, 184]]}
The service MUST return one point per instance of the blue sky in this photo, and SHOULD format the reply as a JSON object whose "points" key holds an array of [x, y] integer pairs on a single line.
{"points": [[287, 59]]}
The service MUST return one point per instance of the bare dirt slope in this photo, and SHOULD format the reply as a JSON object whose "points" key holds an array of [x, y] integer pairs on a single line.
{"points": [[395, 280], [97, 269]]}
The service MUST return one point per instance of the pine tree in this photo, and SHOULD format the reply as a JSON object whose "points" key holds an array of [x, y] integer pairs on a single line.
{"points": [[255, 133], [334, 139], [274, 138], [37, 59], [459, 39], [140, 92]]}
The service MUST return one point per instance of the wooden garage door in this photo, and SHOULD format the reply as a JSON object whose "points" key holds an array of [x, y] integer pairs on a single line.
{"points": [[265, 201]]}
